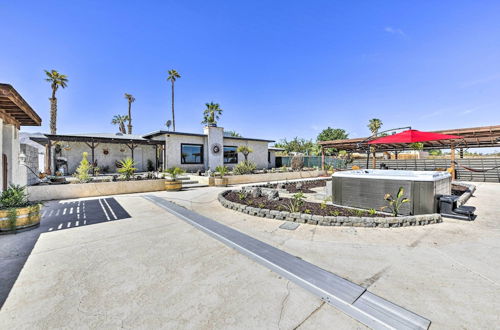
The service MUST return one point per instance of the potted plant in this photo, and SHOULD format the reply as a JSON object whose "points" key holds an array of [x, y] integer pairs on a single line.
{"points": [[221, 181], [173, 183], [16, 212]]}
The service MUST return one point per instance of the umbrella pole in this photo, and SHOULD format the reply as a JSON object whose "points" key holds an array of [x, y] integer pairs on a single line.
{"points": [[452, 160], [368, 159]]}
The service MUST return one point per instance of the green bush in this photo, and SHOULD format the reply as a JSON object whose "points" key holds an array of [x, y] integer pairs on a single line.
{"points": [[127, 168], [245, 167], [14, 196], [222, 170], [82, 173], [174, 172]]}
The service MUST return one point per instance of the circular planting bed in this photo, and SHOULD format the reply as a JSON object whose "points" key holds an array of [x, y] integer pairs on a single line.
{"points": [[265, 202]]}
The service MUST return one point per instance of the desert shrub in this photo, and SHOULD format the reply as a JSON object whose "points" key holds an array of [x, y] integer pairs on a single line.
{"points": [[296, 202], [82, 172], [297, 162], [395, 203], [127, 168], [174, 172], [245, 167], [150, 165], [222, 170]]}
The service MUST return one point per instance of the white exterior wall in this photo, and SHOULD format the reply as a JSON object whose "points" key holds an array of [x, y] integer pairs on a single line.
{"points": [[10, 147], [215, 137], [141, 155], [272, 162], [173, 151], [258, 156]]}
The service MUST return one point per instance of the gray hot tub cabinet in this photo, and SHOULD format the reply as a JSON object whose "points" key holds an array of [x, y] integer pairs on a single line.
{"points": [[366, 189]]}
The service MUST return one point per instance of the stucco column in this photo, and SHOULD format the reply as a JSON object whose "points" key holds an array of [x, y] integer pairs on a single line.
{"points": [[215, 145], [1, 153]]}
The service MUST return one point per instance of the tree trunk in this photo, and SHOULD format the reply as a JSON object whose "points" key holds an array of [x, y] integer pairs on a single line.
{"points": [[173, 113], [53, 115], [129, 118]]}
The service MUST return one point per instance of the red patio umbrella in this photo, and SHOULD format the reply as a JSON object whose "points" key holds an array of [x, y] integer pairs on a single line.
{"points": [[413, 136]]}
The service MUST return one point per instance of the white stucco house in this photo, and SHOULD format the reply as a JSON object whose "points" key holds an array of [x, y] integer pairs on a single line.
{"points": [[14, 113], [153, 151]]}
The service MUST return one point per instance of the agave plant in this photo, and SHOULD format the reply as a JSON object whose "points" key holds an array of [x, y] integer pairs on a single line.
{"points": [[174, 172], [395, 203], [222, 170], [127, 168]]}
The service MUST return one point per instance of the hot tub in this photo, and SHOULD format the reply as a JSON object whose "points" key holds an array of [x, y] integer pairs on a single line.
{"points": [[366, 189]]}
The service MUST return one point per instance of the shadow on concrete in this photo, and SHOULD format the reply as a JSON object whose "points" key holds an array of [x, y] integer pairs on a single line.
{"points": [[16, 248]]}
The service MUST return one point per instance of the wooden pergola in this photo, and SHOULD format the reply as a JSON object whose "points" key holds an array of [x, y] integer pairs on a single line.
{"points": [[15, 110], [93, 142], [473, 137]]}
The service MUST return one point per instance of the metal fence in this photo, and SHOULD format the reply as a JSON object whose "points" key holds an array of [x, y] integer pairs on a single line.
{"points": [[492, 175]]}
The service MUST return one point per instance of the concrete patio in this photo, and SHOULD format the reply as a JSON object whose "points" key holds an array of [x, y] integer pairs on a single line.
{"points": [[153, 270]]}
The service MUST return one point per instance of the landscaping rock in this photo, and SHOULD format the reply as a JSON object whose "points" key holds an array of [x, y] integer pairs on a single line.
{"points": [[270, 194]]}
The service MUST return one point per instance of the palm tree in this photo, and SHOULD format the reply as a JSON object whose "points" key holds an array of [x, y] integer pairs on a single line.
{"points": [[374, 125], [130, 100], [211, 114], [172, 77], [56, 80], [120, 121], [245, 150]]}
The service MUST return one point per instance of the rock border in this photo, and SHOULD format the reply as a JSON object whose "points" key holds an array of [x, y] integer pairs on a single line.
{"points": [[381, 222]]}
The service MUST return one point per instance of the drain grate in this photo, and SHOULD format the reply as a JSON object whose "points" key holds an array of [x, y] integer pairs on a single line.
{"points": [[349, 297]]}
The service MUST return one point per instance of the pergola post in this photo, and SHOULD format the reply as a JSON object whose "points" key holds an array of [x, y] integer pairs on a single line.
{"points": [[156, 157], [452, 160], [374, 158], [92, 147], [322, 158], [48, 157]]}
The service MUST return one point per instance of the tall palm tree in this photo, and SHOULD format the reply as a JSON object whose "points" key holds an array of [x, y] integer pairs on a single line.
{"points": [[120, 121], [211, 113], [172, 77], [374, 125], [130, 100], [56, 80]]}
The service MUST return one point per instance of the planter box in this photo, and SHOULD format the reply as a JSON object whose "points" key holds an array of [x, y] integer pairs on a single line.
{"points": [[28, 216], [173, 185], [77, 190], [221, 182]]}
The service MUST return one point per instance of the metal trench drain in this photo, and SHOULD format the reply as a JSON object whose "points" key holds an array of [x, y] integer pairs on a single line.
{"points": [[352, 299]]}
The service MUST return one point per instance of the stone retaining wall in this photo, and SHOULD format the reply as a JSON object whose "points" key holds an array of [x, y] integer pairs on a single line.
{"points": [[92, 189], [386, 222]]}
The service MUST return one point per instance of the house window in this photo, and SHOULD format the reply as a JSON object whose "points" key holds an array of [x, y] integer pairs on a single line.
{"points": [[230, 155], [191, 153]]}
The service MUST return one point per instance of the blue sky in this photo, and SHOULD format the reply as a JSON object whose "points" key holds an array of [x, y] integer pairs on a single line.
{"points": [[277, 68]]}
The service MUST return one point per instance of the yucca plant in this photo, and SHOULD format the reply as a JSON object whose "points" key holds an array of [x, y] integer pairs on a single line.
{"points": [[395, 203], [127, 168], [222, 170], [174, 172]]}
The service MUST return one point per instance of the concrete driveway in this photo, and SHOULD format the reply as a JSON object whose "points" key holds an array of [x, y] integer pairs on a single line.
{"points": [[155, 271]]}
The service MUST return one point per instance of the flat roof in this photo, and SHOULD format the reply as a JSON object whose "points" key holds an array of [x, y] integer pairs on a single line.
{"points": [[13, 105], [161, 132]]}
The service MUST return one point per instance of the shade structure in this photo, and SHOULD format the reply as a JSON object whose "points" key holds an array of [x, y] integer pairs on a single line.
{"points": [[413, 136]]}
